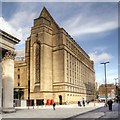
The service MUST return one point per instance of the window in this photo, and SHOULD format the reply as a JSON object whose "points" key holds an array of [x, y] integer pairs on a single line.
{"points": [[37, 63], [18, 76], [18, 84]]}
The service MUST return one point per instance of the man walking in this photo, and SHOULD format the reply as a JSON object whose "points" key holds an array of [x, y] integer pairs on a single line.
{"points": [[110, 102], [54, 106], [83, 102]]}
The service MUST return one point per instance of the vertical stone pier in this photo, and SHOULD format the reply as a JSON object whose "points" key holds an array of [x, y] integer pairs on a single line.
{"points": [[0, 87], [8, 82], [7, 43]]}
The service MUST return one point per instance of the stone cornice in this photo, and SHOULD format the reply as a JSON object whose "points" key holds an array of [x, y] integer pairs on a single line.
{"points": [[8, 36]]}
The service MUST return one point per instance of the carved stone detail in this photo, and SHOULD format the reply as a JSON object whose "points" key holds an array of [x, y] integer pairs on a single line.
{"points": [[9, 55]]}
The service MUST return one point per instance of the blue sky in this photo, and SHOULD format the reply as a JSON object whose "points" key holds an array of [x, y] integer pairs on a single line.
{"points": [[93, 25]]}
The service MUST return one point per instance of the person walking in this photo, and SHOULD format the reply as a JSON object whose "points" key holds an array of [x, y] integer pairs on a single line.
{"points": [[78, 103], [54, 106], [110, 102], [83, 102]]}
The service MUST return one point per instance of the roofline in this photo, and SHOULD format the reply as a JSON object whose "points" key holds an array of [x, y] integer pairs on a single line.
{"points": [[12, 38]]}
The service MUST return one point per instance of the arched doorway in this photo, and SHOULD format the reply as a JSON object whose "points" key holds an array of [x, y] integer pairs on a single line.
{"points": [[60, 99]]}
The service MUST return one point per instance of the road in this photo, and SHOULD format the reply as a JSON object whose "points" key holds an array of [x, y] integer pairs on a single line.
{"points": [[100, 113]]}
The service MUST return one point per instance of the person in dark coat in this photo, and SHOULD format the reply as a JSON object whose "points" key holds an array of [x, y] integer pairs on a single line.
{"points": [[110, 102], [83, 102], [54, 106], [78, 103]]}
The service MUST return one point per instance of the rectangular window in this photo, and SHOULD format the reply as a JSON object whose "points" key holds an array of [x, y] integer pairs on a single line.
{"points": [[18, 76]]}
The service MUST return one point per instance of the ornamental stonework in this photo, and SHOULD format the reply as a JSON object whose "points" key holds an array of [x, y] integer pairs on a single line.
{"points": [[9, 55]]}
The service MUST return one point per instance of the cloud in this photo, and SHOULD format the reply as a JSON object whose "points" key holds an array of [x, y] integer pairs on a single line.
{"points": [[7, 27], [19, 25], [80, 23], [76, 29], [100, 48], [20, 17], [89, 21], [100, 57]]}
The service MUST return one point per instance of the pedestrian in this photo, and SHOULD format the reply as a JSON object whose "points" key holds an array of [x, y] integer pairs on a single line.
{"points": [[78, 103], [54, 106], [110, 102], [45, 102], [83, 102]]}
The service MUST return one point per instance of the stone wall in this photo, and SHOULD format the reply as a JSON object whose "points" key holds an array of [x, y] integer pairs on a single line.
{"points": [[0, 86]]}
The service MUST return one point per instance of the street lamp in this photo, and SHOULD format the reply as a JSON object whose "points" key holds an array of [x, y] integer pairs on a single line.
{"points": [[116, 87], [104, 63]]}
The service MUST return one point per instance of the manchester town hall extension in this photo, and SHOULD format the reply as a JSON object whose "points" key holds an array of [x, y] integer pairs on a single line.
{"points": [[56, 66]]}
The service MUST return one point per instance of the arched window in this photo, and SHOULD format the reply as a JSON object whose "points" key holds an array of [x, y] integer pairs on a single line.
{"points": [[37, 63]]}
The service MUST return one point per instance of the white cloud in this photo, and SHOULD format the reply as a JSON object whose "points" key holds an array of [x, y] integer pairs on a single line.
{"points": [[19, 26], [7, 27], [85, 23], [20, 19], [100, 48], [77, 29], [100, 57]]}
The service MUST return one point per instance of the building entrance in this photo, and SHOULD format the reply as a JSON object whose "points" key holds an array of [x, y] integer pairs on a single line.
{"points": [[60, 99]]}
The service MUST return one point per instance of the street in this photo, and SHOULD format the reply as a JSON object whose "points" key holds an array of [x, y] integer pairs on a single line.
{"points": [[100, 113]]}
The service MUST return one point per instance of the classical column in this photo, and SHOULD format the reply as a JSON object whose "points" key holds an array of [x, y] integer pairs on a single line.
{"points": [[8, 81], [0, 87]]}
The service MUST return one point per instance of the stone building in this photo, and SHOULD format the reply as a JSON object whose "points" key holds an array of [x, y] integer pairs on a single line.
{"points": [[7, 43], [20, 83], [111, 88], [57, 67]]}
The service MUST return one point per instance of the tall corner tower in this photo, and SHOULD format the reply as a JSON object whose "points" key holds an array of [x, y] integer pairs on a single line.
{"points": [[39, 55]]}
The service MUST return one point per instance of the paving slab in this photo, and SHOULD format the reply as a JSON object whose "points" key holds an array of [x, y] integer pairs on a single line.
{"points": [[63, 111]]}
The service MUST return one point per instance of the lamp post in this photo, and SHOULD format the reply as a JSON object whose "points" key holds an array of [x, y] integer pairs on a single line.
{"points": [[116, 87], [104, 63], [94, 93]]}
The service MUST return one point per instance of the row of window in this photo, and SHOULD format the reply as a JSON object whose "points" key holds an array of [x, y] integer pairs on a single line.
{"points": [[73, 95], [77, 72], [18, 82], [74, 89], [78, 53]]}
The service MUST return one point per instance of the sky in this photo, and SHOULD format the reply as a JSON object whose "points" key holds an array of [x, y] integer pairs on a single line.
{"points": [[93, 25]]}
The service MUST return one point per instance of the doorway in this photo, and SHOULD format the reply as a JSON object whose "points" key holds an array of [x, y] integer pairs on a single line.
{"points": [[60, 99]]}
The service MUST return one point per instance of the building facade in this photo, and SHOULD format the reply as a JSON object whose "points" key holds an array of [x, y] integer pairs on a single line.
{"points": [[57, 67], [111, 89], [7, 47]]}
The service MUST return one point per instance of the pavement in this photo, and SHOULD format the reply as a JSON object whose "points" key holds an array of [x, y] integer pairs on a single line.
{"points": [[101, 113], [62, 111]]}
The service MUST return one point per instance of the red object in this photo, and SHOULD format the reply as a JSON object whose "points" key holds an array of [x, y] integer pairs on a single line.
{"points": [[52, 101], [48, 101]]}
